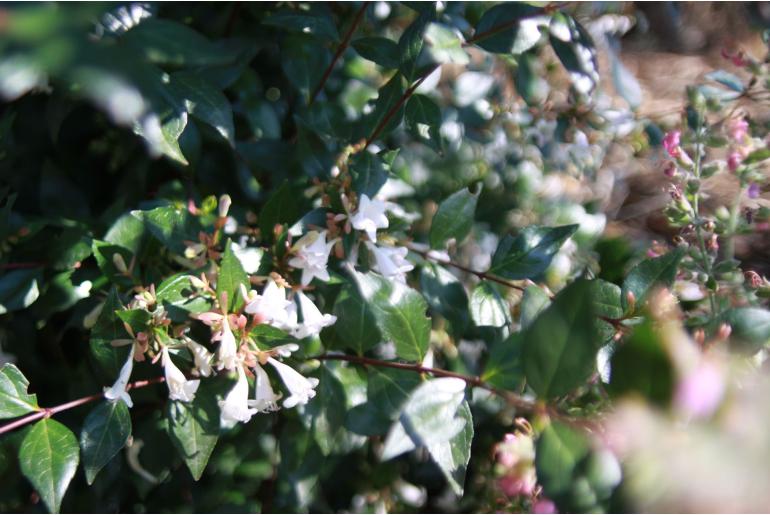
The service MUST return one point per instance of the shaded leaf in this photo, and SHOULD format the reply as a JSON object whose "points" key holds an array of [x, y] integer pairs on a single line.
{"points": [[204, 102], [105, 432], [445, 295], [659, 271], [356, 327], [19, 289], [231, 277], [504, 367], [381, 51], [529, 254], [487, 306], [454, 218], [194, 428], [423, 119], [14, 399]]}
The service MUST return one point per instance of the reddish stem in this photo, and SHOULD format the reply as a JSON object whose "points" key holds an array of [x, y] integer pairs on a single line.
{"points": [[48, 412]]}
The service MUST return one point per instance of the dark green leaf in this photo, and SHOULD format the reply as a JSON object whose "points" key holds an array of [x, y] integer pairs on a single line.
{"points": [[19, 289], [179, 298], [281, 208], [327, 412], [171, 226], [387, 390], [530, 85], [127, 232], [105, 432], [382, 51], [304, 61], [109, 327], [606, 297], [750, 326], [560, 345], [356, 327], [411, 42], [488, 308], [499, 29], [559, 451], [399, 312], [445, 295], [659, 271], [167, 42], [388, 97], [533, 302], [423, 119], [369, 174], [14, 399], [315, 23], [454, 218], [504, 368], [528, 255], [757, 156], [194, 428], [728, 79], [576, 52], [230, 279], [48, 457], [204, 102]]}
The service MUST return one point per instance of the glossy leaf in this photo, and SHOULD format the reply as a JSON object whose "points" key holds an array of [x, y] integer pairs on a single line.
{"points": [[423, 119], [387, 390], [500, 29], [659, 271], [19, 289], [282, 207], [178, 297], [559, 451], [204, 102], [170, 43], [750, 326], [105, 432], [560, 345], [382, 51], [487, 306], [14, 399], [504, 366], [399, 312], [454, 218], [314, 23], [445, 295], [109, 327], [230, 279], [194, 428], [529, 254], [48, 458], [356, 327], [171, 226], [411, 42], [533, 302]]}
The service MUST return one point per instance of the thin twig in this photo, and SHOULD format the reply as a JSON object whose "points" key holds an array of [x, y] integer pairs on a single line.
{"points": [[480, 275], [11, 266], [48, 412], [340, 50]]}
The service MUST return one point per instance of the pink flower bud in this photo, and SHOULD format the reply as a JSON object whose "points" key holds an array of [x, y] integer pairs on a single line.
{"points": [[515, 485], [544, 505], [699, 393], [737, 129], [734, 161], [671, 143], [669, 170]]}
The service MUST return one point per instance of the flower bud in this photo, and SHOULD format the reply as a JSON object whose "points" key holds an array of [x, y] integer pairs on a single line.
{"points": [[630, 301], [224, 205], [119, 263], [724, 331]]}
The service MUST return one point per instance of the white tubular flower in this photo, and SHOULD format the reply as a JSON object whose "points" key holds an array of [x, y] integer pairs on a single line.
{"points": [[266, 399], [271, 307], [312, 319], [391, 261], [301, 388], [118, 390], [370, 216], [179, 388], [202, 357], [227, 356], [312, 254], [235, 406]]}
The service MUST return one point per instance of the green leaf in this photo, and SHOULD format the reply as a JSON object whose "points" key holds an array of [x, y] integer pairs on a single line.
{"points": [[387, 390], [163, 133], [560, 345], [445, 295], [530, 253], [659, 271], [606, 298], [436, 416], [138, 319], [19, 289], [559, 451], [281, 208], [411, 42], [304, 61], [48, 458], [127, 232], [576, 52], [399, 312], [423, 119], [194, 428], [105, 432], [109, 327], [757, 156], [356, 327], [14, 399], [179, 299], [445, 45], [499, 29], [454, 218], [388, 97], [529, 84], [104, 254], [231, 277], [487, 306], [327, 412], [316, 23], [381, 51], [641, 366], [750, 326], [369, 173], [171, 226], [204, 102], [504, 368], [533, 302], [167, 42]]}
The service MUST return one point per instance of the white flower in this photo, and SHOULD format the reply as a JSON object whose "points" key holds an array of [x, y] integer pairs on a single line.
{"points": [[202, 357], [271, 307], [391, 261], [312, 319], [266, 398], [312, 254], [227, 356], [235, 406], [301, 388], [250, 257], [370, 216], [179, 388], [118, 390]]}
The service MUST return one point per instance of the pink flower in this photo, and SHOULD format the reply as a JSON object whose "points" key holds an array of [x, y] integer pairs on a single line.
{"points": [[544, 505], [737, 129], [753, 190], [734, 161], [669, 170], [515, 485], [699, 393], [736, 58], [671, 143]]}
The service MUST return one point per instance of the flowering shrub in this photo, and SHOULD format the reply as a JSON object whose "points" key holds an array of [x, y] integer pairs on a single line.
{"points": [[353, 257]]}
